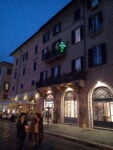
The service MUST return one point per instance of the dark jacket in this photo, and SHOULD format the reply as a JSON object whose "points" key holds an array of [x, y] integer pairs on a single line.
{"points": [[21, 129]]}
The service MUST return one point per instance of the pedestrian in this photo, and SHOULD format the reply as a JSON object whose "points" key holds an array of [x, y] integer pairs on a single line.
{"points": [[21, 126], [36, 131]]}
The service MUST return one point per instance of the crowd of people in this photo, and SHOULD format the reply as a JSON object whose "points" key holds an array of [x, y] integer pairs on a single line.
{"points": [[33, 129]]}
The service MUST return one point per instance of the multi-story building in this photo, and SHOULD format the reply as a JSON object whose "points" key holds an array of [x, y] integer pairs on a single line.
{"points": [[67, 65], [5, 77]]}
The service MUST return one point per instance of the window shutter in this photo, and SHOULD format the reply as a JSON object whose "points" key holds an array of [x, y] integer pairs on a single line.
{"points": [[90, 24], [73, 37], [58, 71], [41, 76], [52, 72], [103, 47], [90, 57], [88, 4], [42, 54], [46, 74], [81, 33], [82, 63], [77, 14], [100, 17], [73, 65]]}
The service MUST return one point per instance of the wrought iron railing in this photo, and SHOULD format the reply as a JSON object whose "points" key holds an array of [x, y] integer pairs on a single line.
{"points": [[65, 78]]}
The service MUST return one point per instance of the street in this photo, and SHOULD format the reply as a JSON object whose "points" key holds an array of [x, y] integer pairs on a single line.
{"points": [[8, 140]]}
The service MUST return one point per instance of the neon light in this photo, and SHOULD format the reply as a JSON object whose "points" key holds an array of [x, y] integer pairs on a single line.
{"points": [[62, 46]]}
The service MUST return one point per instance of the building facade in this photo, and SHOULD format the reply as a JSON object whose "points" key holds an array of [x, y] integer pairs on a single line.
{"points": [[5, 76], [66, 67]]}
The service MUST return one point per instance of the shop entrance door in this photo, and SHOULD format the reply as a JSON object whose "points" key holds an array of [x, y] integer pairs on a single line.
{"points": [[48, 111], [103, 108]]}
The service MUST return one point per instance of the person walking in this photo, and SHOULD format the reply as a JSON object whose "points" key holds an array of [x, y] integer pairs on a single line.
{"points": [[36, 131], [21, 127]]}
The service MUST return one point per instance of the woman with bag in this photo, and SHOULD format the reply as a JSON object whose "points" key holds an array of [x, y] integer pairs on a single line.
{"points": [[36, 129]]}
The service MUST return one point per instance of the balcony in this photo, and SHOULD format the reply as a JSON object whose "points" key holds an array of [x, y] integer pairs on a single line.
{"points": [[66, 78], [51, 55]]}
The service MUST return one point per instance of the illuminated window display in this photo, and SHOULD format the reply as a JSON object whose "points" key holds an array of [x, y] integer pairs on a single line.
{"points": [[103, 107], [70, 107]]}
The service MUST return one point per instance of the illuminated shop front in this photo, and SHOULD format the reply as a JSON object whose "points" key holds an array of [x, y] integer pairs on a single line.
{"points": [[70, 107], [49, 107], [102, 107]]}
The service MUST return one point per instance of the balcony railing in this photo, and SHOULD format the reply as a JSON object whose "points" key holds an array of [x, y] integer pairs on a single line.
{"points": [[52, 55], [72, 76]]}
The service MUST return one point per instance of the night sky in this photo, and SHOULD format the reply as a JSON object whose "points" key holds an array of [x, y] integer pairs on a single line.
{"points": [[20, 19]]}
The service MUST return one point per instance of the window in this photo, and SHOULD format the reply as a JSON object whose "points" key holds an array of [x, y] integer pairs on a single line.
{"points": [[36, 49], [96, 55], [9, 71], [77, 35], [57, 29], [6, 86], [70, 104], [13, 88], [0, 70], [34, 66], [95, 23], [21, 86], [55, 71], [16, 61], [77, 14], [23, 71], [93, 4], [46, 37], [32, 82], [25, 56], [15, 75], [43, 75], [45, 53], [55, 47], [78, 64]]}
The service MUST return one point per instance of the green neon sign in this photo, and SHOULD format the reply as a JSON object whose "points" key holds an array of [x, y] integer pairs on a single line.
{"points": [[62, 46]]}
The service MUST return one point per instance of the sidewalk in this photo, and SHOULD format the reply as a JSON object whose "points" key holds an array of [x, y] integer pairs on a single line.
{"points": [[101, 139]]}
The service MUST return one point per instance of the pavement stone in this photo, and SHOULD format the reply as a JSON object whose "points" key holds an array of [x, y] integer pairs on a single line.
{"points": [[101, 139]]}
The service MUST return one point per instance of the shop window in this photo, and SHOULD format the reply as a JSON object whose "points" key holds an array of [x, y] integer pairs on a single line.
{"points": [[77, 35], [57, 28], [95, 23], [78, 64], [97, 55], [70, 105], [102, 106]]}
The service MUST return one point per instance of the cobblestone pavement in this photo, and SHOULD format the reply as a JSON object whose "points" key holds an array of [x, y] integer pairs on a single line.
{"points": [[8, 140]]}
